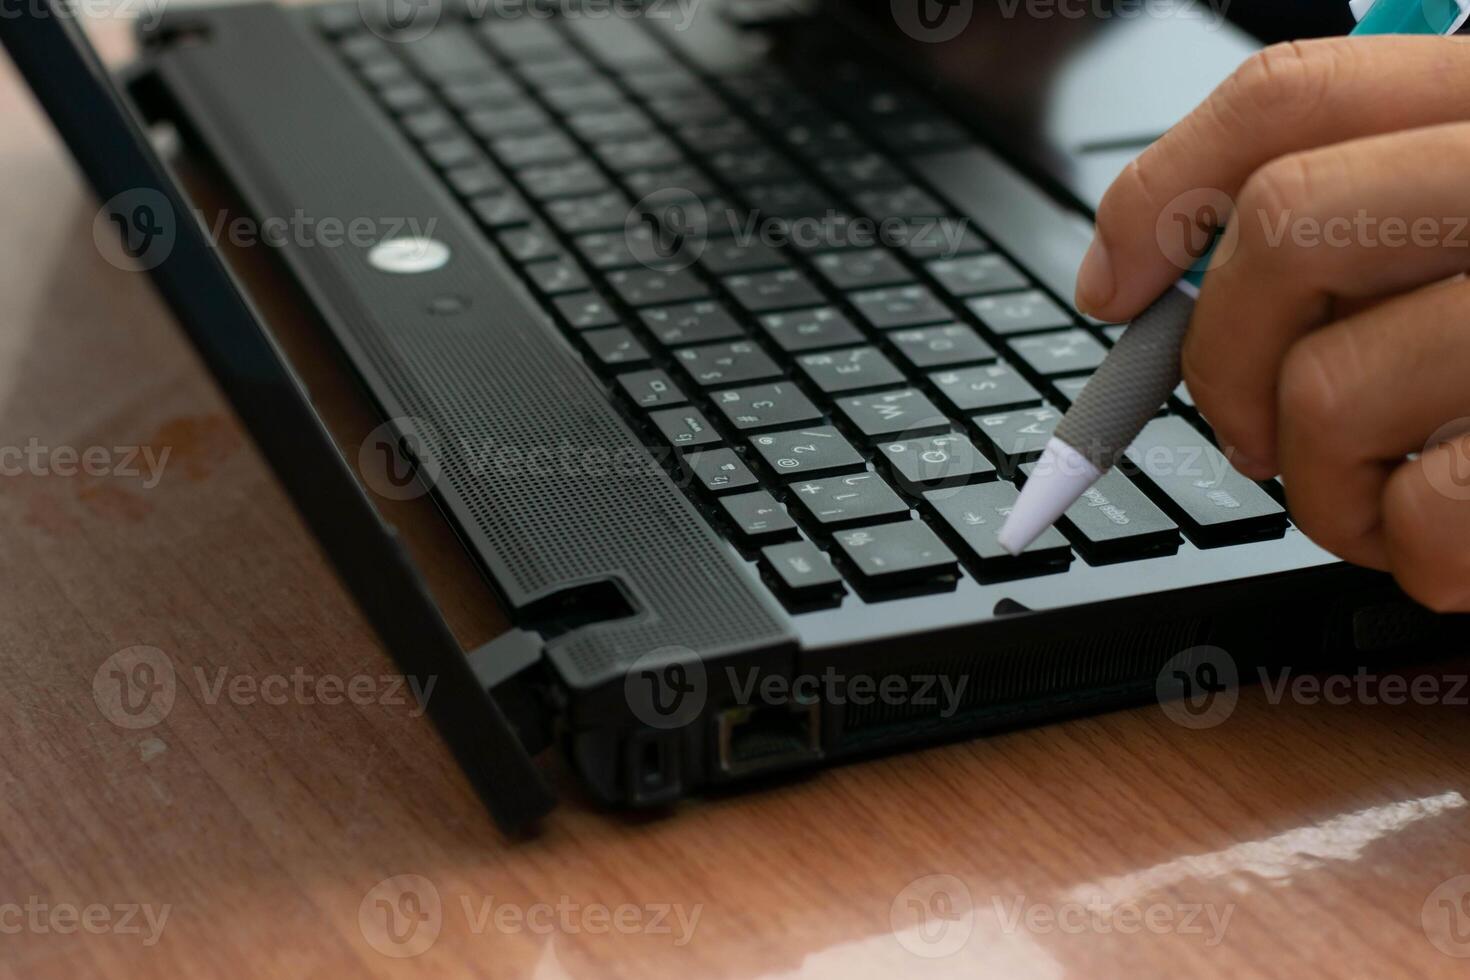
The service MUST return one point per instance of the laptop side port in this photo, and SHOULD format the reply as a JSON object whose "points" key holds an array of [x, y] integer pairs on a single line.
{"points": [[766, 738]]}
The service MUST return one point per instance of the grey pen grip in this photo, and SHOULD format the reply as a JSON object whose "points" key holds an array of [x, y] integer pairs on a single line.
{"points": [[1134, 380]]}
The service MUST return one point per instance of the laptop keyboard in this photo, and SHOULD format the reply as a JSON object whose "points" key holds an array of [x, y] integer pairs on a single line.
{"points": [[845, 373]]}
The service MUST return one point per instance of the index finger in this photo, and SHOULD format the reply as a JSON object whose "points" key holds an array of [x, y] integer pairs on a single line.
{"points": [[1289, 97]]}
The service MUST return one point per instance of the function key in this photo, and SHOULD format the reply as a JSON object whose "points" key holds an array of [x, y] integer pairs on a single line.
{"points": [[1221, 505], [926, 348], [757, 515], [807, 452], [1115, 520], [813, 329], [1064, 352], [982, 389], [886, 414], [843, 500], [651, 389], [974, 514], [691, 323], [896, 553], [719, 470], [900, 306], [849, 370], [1020, 435], [802, 569], [683, 427], [861, 269], [974, 274], [767, 292], [766, 406], [936, 461], [1019, 312], [715, 365]]}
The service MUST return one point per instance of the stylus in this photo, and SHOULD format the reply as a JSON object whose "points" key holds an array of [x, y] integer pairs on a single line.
{"points": [[1142, 369]]}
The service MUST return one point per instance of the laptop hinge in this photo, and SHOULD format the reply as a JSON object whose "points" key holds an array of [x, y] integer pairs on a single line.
{"points": [[508, 669]]}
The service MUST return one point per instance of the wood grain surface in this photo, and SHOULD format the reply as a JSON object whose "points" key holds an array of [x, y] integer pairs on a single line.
{"points": [[266, 825]]}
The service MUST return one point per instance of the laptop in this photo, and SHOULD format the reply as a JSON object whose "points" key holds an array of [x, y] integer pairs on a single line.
{"points": [[722, 335]]}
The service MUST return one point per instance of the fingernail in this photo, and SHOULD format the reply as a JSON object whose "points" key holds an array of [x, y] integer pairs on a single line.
{"points": [[1095, 284]]}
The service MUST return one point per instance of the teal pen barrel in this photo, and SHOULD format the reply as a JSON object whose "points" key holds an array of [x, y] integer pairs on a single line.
{"points": [[1410, 17]]}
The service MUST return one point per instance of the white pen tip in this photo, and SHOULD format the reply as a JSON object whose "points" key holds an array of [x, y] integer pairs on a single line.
{"points": [[1061, 476]]}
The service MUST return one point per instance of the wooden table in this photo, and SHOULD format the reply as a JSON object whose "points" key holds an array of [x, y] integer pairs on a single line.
{"points": [[276, 831]]}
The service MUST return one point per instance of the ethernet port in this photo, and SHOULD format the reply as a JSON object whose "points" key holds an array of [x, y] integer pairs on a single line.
{"points": [[767, 738]]}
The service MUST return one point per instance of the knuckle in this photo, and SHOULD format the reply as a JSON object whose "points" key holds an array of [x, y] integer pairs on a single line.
{"points": [[1311, 390], [1276, 189], [1287, 81], [1431, 566]]}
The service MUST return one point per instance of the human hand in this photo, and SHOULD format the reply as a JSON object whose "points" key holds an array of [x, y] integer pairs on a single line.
{"points": [[1330, 340]]}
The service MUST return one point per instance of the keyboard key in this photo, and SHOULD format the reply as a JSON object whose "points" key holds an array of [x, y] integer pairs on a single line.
{"points": [[574, 178], [717, 365], [807, 452], [765, 292], [516, 117], [886, 414], [1065, 352], [656, 287], [557, 276], [849, 370], [766, 406], [714, 135], [628, 135], [474, 95], [1019, 312], [1220, 504], [902, 306], [843, 500], [897, 553], [685, 427], [861, 269], [949, 345], [594, 93], [802, 569], [974, 274], [448, 53], [727, 256], [475, 179], [683, 178], [585, 311], [1020, 435], [501, 210], [530, 244], [453, 152], [430, 124], [751, 165], [616, 347], [651, 389], [1116, 520], [600, 212], [898, 202], [981, 389], [719, 470], [822, 139], [532, 149], [936, 461], [691, 323], [860, 173], [1069, 388], [405, 96], [974, 514], [924, 135], [757, 515], [942, 238], [622, 249], [813, 329]]}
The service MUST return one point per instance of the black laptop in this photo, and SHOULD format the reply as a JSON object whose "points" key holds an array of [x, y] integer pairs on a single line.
{"points": [[722, 333]]}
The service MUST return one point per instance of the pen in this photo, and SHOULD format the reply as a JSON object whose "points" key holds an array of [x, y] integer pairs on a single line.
{"points": [[1140, 372]]}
